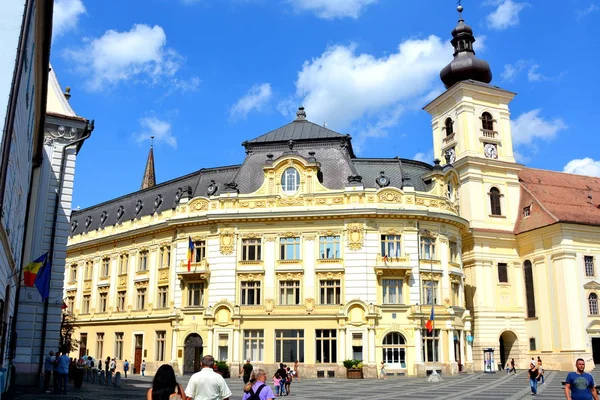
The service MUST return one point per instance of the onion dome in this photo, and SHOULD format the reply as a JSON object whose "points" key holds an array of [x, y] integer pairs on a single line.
{"points": [[465, 65]]}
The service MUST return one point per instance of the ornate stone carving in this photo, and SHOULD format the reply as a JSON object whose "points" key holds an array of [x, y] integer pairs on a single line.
{"points": [[309, 238], [269, 305], [252, 235], [250, 277], [141, 284], [329, 233], [355, 236], [330, 275], [290, 234], [390, 196], [288, 276], [309, 303], [226, 242], [291, 201], [391, 231], [199, 205], [163, 275]]}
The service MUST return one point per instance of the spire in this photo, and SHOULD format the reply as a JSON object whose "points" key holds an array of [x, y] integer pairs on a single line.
{"points": [[149, 179], [465, 65]]}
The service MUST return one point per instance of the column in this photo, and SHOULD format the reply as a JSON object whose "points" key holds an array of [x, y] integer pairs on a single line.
{"points": [[451, 353], [342, 344], [174, 346], [371, 349], [236, 353], [210, 345], [418, 345]]}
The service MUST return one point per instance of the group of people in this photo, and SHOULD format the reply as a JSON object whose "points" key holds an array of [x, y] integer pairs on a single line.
{"points": [[56, 365]]}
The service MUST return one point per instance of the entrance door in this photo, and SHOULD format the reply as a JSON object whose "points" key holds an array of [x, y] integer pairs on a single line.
{"points": [[83, 345], [137, 360], [596, 349], [192, 353], [457, 354]]}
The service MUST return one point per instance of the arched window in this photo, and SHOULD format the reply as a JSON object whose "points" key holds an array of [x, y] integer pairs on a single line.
{"points": [[593, 303], [487, 122], [529, 294], [449, 124], [394, 350], [290, 181], [495, 201]]}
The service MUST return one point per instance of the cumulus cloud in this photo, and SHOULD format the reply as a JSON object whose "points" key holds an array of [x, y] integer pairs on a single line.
{"points": [[506, 14], [426, 157], [138, 54], [331, 9], [66, 16], [161, 130], [583, 166], [530, 126], [582, 13], [369, 93], [255, 99]]}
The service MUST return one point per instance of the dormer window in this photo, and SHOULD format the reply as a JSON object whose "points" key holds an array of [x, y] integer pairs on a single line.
{"points": [[487, 122], [449, 124], [290, 181], [526, 211]]}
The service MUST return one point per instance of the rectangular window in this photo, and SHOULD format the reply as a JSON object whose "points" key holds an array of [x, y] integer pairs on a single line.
{"points": [[254, 344], [163, 297], [199, 250], [123, 264], [121, 300], [503, 272], [160, 345], [105, 268], [392, 291], [526, 211], [289, 248], [143, 264], [119, 345], [532, 346], [99, 345], [70, 303], [164, 257], [73, 276], [455, 287], [329, 247], [250, 293], [390, 246], [427, 248], [431, 343], [453, 246], [589, 266], [85, 306], [195, 294], [89, 270], [141, 298], [430, 292], [103, 297], [251, 249], [331, 291], [289, 293], [289, 345], [326, 345]]}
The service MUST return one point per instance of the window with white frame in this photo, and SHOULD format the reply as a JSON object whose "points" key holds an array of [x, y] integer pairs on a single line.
{"points": [[119, 345], [329, 247], [330, 291], [89, 269], [160, 345], [290, 181], [289, 248], [250, 293], [593, 303], [289, 345], [70, 303], [123, 264], [394, 350], [453, 247], [85, 305], [163, 297], [105, 267], [431, 344], [289, 293], [430, 292], [455, 288], [199, 250], [391, 246], [195, 292], [121, 295], [143, 261], [495, 204], [99, 345], [589, 266], [73, 274], [392, 291], [164, 257], [141, 299], [254, 344], [102, 301], [326, 345], [428, 248], [251, 249]]}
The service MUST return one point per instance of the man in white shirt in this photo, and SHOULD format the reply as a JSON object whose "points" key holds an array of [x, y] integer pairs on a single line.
{"points": [[207, 384]]}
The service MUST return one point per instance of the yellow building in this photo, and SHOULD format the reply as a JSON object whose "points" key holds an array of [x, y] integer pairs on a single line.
{"points": [[306, 252]]}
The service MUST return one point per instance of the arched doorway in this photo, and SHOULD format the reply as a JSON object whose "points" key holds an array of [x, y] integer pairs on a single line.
{"points": [[394, 350], [508, 347], [192, 353]]}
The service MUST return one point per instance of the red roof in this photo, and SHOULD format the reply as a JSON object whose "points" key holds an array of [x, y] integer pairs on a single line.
{"points": [[557, 197]]}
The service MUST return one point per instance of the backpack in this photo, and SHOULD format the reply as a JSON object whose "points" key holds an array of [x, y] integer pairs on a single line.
{"points": [[255, 396]]}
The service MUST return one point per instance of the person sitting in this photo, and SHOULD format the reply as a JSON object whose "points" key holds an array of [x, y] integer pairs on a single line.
{"points": [[165, 386]]}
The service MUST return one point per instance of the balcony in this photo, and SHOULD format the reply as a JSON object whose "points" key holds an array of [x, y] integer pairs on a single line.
{"points": [[198, 271], [448, 138], [395, 266], [489, 134]]}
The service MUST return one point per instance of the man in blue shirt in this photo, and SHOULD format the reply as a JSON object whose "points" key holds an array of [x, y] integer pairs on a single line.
{"points": [[580, 385], [63, 372]]}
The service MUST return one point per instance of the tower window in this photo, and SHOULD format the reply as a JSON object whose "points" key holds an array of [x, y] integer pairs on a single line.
{"points": [[529, 291], [593, 303], [526, 211], [449, 124], [495, 201], [487, 122]]}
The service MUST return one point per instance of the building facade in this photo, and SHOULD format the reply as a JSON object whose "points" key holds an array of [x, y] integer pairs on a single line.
{"points": [[306, 252]]}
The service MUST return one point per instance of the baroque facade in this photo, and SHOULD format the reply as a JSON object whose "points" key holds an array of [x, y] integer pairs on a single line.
{"points": [[306, 252]]}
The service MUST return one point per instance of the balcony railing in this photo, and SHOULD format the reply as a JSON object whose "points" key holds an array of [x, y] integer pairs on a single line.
{"points": [[486, 133], [448, 138]]}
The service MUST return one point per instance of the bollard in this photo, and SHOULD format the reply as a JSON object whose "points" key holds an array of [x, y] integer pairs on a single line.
{"points": [[117, 380], [101, 378]]}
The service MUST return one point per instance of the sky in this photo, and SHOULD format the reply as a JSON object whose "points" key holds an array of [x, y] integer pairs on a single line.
{"points": [[202, 76]]}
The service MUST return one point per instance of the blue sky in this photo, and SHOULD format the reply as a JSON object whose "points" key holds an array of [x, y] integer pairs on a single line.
{"points": [[202, 76]]}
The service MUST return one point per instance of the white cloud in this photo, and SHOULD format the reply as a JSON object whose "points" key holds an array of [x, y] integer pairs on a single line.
{"points": [[529, 127], [66, 16], [583, 166], [366, 93], [161, 130], [512, 71], [138, 54], [426, 157], [330, 9], [506, 14], [582, 13], [256, 98]]}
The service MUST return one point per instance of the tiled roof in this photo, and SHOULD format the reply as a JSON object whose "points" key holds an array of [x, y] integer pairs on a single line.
{"points": [[297, 130], [557, 197]]}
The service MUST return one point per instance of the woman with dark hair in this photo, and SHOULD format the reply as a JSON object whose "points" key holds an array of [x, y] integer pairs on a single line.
{"points": [[165, 386]]}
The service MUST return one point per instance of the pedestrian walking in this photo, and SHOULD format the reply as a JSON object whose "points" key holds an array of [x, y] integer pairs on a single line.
{"points": [[256, 388], [382, 373], [126, 367], [580, 385], [143, 367], [246, 371], [63, 373], [512, 366], [533, 375], [297, 370], [48, 369], [207, 384], [283, 374], [165, 386], [540, 369]]}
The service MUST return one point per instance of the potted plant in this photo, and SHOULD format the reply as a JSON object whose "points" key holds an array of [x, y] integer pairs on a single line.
{"points": [[353, 369]]}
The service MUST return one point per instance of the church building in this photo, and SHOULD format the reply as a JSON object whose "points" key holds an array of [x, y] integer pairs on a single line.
{"points": [[306, 252]]}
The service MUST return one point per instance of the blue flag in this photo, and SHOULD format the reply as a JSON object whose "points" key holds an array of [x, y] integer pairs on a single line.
{"points": [[42, 279]]}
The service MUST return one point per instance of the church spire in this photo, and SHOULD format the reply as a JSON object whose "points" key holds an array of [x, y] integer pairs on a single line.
{"points": [[465, 65], [149, 179]]}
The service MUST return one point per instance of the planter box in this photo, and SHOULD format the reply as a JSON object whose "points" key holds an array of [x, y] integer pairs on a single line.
{"points": [[354, 373]]}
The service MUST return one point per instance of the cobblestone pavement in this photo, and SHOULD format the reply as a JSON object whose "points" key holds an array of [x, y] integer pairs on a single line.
{"points": [[467, 387]]}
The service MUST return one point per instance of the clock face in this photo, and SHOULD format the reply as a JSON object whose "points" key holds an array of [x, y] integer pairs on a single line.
{"points": [[490, 150]]}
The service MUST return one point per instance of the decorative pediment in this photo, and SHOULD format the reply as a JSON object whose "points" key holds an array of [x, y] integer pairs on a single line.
{"points": [[141, 284], [330, 275], [255, 276], [329, 233], [288, 276], [198, 205], [390, 196], [431, 276], [592, 285]]}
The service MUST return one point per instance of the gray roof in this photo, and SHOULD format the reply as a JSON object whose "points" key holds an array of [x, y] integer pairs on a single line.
{"points": [[297, 130]]}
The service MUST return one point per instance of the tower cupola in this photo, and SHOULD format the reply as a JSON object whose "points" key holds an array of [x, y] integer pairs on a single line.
{"points": [[465, 65]]}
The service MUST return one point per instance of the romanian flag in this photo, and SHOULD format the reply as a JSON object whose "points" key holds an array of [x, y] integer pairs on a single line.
{"points": [[429, 323], [190, 253], [37, 273]]}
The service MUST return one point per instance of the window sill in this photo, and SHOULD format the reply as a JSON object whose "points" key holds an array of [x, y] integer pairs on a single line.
{"points": [[141, 272], [189, 308], [504, 284], [399, 306], [497, 216], [531, 319]]}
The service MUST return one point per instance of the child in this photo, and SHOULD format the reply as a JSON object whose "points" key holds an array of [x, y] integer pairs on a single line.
{"points": [[288, 381], [276, 382]]}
